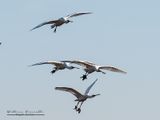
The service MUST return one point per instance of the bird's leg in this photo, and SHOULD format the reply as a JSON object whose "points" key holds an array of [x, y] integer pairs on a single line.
{"points": [[80, 105], [75, 108], [55, 29], [54, 70], [79, 109], [84, 76]]}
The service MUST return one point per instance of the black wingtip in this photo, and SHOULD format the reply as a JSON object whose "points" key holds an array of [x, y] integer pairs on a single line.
{"points": [[56, 88], [89, 12], [32, 29], [30, 65]]}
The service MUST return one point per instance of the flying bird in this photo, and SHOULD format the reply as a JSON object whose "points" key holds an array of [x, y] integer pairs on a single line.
{"points": [[90, 67], [58, 65], [80, 97], [60, 21]]}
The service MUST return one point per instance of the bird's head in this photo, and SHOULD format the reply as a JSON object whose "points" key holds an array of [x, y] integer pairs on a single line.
{"points": [[94, 95], [68, 21]]}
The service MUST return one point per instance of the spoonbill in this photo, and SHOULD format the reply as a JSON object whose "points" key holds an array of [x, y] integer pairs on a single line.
{"points": [[60, 21], [80, 97], [59, 65], [90, 67]]}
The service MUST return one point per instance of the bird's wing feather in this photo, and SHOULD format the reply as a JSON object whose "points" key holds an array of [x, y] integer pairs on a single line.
{"points": [[82, 63], [69, 61], [88, 89], [77, 14], [44, 23], [48, 62], [70, 90], [91, 63], [113, 69]]}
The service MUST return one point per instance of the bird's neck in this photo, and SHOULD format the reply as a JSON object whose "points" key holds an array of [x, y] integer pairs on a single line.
{"points": [[90, 96]]}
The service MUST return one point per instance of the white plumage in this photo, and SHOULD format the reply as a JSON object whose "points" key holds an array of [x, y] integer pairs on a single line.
{"points": [[80, 97], [59, 65], [90, 67], [60, 21]]}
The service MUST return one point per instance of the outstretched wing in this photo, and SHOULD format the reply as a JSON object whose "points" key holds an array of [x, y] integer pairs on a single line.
{"points": [[77, 14], [70, 90], [88, 89], [56, 63], [113, 69], [44, 23]]}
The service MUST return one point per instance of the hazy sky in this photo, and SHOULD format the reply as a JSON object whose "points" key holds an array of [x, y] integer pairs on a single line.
{"points": [[125, 34]]}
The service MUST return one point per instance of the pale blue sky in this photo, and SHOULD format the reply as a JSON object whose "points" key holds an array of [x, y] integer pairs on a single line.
{"points": [[125, 34]]}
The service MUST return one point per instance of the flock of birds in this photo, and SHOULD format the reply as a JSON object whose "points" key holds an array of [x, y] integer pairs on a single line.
{"points": [[87, 66]]}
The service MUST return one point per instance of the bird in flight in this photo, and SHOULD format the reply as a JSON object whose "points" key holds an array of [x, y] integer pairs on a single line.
{"points": [[80, 97], [60, 21], [58, 65], [90, 67]]}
